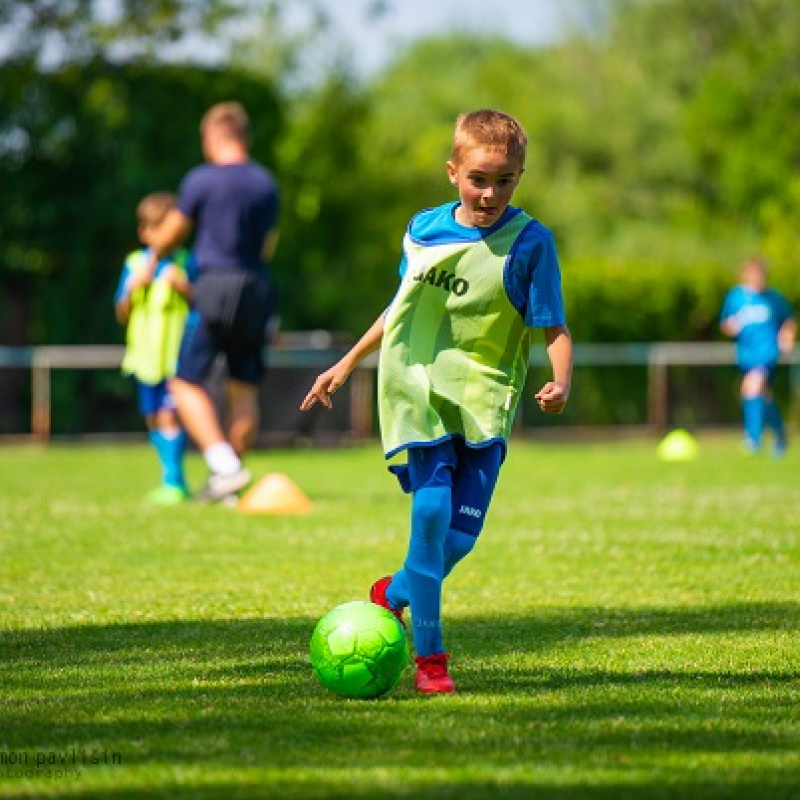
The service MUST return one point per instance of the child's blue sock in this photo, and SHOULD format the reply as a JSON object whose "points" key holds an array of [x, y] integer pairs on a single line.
{"points": [[424, 566], [456, 546], [754, 409], [397, 593], [774, 419], [171, 448], [157, 440], [175, 450]]}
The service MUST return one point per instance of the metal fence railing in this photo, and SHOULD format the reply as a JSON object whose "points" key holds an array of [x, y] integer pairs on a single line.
{"points": [[657, 357]]}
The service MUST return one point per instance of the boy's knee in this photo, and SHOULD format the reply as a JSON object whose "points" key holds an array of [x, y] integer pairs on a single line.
{"points": [[754, 383], [431, 510]]}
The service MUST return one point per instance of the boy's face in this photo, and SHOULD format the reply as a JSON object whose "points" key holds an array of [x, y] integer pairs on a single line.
{"points": [[754, 277], [486, 178]]}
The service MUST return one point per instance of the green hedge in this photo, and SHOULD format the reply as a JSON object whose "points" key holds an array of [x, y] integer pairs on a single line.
{"points": [[615, 301]]}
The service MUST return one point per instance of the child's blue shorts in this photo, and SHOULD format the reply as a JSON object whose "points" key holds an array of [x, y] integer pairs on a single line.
{"points": [[471, 472], [154, 398]]}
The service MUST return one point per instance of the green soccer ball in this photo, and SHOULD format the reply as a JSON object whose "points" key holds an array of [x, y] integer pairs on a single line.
{"points": [[359, 650]]}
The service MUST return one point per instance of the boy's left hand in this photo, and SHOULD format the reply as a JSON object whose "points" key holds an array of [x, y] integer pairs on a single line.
{"points": [[171, 274], [552, 397]]}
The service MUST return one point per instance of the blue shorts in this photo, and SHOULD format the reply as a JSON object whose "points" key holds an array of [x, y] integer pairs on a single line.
{"points": [[471, 472], [154, 398]]}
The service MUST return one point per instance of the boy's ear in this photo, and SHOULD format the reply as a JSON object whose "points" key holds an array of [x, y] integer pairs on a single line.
{"points": [[452, 172]]}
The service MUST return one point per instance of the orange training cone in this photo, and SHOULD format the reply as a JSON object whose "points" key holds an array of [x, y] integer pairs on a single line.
{"points": [[275, 493]]}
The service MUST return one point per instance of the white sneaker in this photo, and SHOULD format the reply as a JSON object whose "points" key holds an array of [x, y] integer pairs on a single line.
{"points": [[220, 487]]}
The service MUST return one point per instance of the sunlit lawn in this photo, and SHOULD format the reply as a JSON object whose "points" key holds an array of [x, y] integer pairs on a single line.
{"points": [[626, 628]]}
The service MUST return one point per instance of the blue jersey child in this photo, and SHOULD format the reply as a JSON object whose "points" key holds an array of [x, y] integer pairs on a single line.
{"points": [[477, 276], [153, 304], [763, 324]]}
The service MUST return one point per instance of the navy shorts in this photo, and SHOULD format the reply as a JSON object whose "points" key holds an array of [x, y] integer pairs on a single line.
{"points": [[471, 472], [230, 317], [153, 399]]}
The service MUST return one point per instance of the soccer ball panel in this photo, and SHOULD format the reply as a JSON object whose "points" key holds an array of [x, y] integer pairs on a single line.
{"points": [[371, 644], [342, 641]]}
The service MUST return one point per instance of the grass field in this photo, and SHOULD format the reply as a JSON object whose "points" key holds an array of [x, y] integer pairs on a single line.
{"points": [[626, 628]]}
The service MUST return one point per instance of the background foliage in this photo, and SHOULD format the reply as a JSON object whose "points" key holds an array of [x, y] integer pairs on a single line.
{"points": [[663, 150]]}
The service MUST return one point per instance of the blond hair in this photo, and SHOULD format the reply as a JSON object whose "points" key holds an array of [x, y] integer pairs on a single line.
{"points": [[227, 120], [489, 128], [154, 207]]}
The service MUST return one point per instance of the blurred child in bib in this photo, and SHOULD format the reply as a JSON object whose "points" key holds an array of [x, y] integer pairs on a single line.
{"points": [[476, 277], [154, 305]]}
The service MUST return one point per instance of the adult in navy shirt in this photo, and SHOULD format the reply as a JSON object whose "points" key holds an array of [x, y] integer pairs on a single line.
{"points": [[763, 324], [231, 204]]}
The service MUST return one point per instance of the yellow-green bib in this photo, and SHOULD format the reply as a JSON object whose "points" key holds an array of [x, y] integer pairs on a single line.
{"points": [[454, 354], [155, 326]]}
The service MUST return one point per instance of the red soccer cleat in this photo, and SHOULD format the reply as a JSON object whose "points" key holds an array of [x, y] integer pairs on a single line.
{"points": [[432, 676], [377, 595]]}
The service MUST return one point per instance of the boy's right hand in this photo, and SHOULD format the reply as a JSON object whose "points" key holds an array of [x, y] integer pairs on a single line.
{"points": [[325, 385], [731, 326], [552, 397]]}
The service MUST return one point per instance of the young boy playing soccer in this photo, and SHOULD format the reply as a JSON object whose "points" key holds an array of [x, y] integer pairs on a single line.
{"points": [[476, 276], [153, 304], [763, 324]]}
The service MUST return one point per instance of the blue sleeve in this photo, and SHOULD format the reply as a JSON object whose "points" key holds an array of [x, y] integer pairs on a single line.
{"points": [[533, 278], [123, 279], [731, 304]]}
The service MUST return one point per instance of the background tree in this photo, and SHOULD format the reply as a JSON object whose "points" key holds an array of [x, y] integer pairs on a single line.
{"points": [[662, 150], [52, 33]]}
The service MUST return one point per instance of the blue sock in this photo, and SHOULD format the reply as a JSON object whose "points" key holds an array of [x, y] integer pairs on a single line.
{"points": [[456, 546], [397, 593], [754, 410], [156, 439], [424, 566], [175, 451], [774, 418], [171, 449]]}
